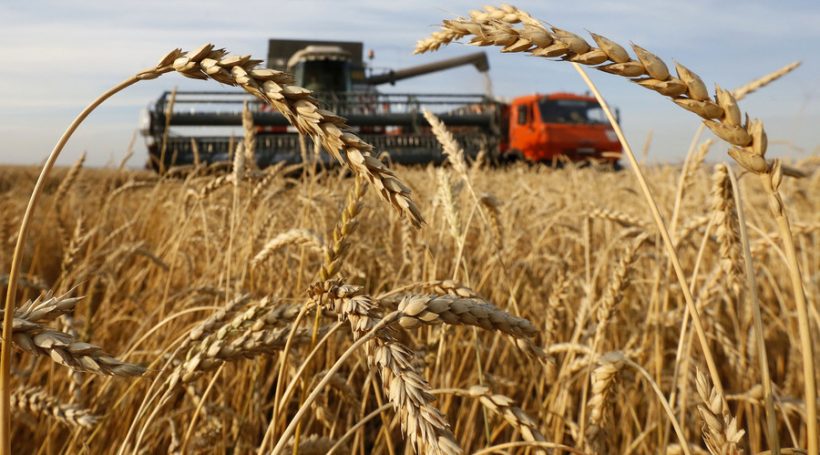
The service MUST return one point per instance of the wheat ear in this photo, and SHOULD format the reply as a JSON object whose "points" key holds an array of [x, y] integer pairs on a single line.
{"points": [[347, 224], [504, 406], [604, 379], [37, 402], [616, 216], [449, 309], [67, 351], [425, 426], [274, 87], [302, 237], [249, 136], [720, 431], [728, 235], [60, 194], [452, 149], [615, 290], [755, 85], [70, 179]]}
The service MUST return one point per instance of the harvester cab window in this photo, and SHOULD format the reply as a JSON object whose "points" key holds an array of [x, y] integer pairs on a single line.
{"points": [[324, 75], [523, 114], [571, 111]]}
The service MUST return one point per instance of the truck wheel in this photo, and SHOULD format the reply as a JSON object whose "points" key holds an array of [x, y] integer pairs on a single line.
{"points": [[511, 157]]}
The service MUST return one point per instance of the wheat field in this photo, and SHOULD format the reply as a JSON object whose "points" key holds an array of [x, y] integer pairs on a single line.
{"points": [[371, 308]]}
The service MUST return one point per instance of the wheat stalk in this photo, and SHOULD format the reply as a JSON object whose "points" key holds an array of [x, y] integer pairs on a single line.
{"points": [[721, 114]]}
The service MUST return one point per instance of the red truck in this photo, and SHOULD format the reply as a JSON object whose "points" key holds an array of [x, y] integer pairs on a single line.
{"points": [[559, 125]]}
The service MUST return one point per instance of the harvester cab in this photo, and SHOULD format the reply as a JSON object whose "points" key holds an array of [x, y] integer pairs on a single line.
{"points": [[321, 69]]}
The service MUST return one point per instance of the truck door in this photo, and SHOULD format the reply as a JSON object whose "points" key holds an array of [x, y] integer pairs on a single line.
{"points": [[522, 130]]}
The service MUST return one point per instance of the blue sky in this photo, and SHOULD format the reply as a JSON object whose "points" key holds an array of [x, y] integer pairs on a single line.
{"points": [[59, 55]]}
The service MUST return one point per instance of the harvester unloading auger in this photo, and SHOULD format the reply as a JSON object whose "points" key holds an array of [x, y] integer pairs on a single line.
{"points": [[534, 127]]}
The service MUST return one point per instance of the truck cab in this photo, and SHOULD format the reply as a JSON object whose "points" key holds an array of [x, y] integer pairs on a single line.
{"points": [[547, 127]]}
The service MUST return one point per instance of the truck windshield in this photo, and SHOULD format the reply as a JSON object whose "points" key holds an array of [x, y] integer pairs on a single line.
{"points": [[571, 111]]}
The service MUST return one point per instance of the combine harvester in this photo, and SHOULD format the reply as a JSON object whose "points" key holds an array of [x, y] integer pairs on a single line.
{"points": [[546, 128]]}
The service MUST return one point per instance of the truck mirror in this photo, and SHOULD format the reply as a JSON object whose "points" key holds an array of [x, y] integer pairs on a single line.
{"points": [[618, 115]]}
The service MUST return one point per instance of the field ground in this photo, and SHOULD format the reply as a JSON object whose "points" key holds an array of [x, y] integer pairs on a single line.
{"points": [[573, 251]]}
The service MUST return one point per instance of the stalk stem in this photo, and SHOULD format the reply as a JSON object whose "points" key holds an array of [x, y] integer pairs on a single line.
{"points": [[803, 324], [656, 215]]}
